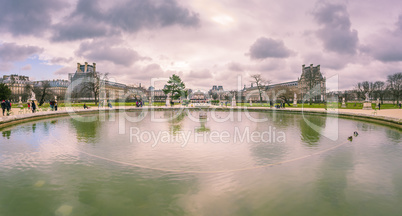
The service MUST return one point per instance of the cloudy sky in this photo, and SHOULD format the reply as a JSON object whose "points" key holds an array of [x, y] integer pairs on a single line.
{"points": [[206, 42]]}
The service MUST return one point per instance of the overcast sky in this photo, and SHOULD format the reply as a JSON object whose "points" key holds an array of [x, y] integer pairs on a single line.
{"points": [[206, 42]]}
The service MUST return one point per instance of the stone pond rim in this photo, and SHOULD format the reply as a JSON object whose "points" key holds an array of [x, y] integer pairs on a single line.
{"points": [[8, 121]]}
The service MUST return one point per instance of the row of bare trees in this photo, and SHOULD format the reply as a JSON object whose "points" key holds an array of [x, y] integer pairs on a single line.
{"points": [[391, 89]]}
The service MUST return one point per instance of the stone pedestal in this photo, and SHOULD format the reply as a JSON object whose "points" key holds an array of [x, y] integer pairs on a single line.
{"points": [[251, 103], [343, 103], [295, 100], [367, 106], [167, 101], [20, 102], [233, 102]]}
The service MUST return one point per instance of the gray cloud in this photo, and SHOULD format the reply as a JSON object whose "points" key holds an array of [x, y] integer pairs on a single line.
{"points": [[27, 67], [5, 66], [107, 50], [65, 71], [197, 75], [89, 20], [79, 29], [13, 52], [268, 48], [134, 15], [399, 23], [59, 60], [27, 17], [235, 67], [384, 46], [336, 33]]}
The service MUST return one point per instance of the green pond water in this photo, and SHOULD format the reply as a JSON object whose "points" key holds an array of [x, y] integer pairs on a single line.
{"points": [[228, 164]]}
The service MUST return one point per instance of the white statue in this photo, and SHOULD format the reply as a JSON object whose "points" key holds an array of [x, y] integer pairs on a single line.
{"points": [[233, 101], [33, 96], [367, 96]]}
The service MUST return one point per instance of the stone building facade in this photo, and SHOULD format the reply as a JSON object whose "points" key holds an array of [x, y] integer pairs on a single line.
{"points": [[109, 91], [310, 84]]}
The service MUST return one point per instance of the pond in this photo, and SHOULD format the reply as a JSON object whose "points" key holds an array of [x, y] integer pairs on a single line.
{"points": [[171, 163]]}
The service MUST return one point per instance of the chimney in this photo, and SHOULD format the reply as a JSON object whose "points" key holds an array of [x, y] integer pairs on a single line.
{"points": [[94, 64], [78, 67], [86, 67]]}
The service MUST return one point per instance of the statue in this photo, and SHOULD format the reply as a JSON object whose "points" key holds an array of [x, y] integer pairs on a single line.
{"points": [[295, 99], [367, 97], [167, 101], [233, 101], [33, 96], [367, 103]]}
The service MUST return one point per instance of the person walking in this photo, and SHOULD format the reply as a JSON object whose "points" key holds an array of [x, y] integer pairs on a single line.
{"points": [[379, 106], [55, 106], [33, 105], [3, 106], [8, 107]]}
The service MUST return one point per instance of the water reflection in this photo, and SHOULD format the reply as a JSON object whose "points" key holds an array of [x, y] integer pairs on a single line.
{"points": [[104, 179], [202, 128], [175, 120], [309, 135], [33, 127], [86, 131], [6, 134], [394, 135], [332, 181]]}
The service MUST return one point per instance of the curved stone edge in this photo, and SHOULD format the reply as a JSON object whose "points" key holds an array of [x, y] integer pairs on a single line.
{"points": [[7, 121]]}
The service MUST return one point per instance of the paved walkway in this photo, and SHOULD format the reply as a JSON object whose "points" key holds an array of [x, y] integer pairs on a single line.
{"points": [[390, 115]]}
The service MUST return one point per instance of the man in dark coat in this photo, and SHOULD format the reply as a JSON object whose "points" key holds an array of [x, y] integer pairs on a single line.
{"points": [[33, 107], [3, 106], [8, 105]]}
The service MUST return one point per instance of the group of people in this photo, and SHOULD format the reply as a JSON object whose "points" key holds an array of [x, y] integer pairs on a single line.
{"points": [[280, 105], [53, 105], [6, 105], [32, 106], [138, 103]]}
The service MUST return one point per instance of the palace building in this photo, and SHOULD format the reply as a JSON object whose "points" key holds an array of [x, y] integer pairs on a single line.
{"points": [[311, 84]]}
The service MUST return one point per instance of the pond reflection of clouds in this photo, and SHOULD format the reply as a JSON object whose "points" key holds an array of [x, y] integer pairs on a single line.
{"points": [[92, 168]]}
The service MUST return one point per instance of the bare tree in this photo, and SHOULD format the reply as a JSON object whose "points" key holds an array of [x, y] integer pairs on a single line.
{"points": [[380, 89], [93, 83], [42, 91], [285, 93], [364, 87], [259, 81], [395, 85]]}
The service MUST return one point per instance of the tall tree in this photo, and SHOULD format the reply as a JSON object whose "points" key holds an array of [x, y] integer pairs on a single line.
{"points": [[93, 84], [380, 89], [285, 93], [363, 88], [5, 92], [42, 91], [259, 81], [175, 87], [214, 95], [395, 85]]}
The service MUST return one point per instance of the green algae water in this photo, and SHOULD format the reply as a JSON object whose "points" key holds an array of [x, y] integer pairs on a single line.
{"points": [[228, 164]]}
